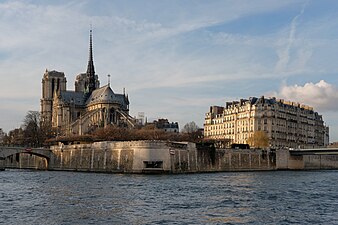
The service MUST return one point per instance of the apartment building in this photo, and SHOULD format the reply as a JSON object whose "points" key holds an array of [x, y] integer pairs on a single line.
{"points": [[286, 124]]}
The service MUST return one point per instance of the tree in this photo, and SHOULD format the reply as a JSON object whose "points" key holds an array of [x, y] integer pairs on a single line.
{"points": [[47, 131], [32, 132], [190, 127], [259, 139], [2, 136], [15, 137], [193, 132], [34, 135]]}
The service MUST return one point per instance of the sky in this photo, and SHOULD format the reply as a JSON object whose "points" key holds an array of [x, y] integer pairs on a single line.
{"points": [[175, 58]]}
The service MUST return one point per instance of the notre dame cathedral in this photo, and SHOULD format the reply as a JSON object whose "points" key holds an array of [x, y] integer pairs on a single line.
{"points": [[88, 107]]}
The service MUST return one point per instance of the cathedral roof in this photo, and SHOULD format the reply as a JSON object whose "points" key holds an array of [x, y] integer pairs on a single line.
{"points": [[73, 97], [104, 94], [122, 99]]}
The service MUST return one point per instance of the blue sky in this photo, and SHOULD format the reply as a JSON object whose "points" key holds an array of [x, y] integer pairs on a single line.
{"points": [[175, 58]]}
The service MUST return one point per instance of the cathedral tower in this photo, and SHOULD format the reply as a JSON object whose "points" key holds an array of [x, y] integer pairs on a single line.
{"points": [[52, 82]]}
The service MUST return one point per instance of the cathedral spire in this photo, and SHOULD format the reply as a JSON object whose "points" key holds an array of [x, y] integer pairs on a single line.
{"points": [[90, 47], [90, 68]]}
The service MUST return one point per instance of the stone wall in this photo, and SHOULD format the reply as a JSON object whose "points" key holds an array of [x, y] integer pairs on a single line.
{"points": [[164, 157], [157, 157], [320, 161], [120, 157], [146, 157], [305, 162], [2, 164]]}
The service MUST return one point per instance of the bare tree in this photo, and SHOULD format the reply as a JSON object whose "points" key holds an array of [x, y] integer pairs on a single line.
{"points": [[190, 127], [192, 132], [15, 137], [32, 132]]}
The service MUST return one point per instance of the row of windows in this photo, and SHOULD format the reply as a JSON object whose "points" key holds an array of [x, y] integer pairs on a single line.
{"points": [[278, 122]]}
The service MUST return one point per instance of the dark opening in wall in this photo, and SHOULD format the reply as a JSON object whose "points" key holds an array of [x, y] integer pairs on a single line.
{"points": [[17, 157], [153, 164]]}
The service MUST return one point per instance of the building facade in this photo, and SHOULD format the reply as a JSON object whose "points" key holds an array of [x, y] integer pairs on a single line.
{"points": [[88, 107], [286, 124], [166, 126]]}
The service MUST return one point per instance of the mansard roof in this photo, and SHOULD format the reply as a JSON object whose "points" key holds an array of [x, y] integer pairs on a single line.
{"points": [[254, 101]]}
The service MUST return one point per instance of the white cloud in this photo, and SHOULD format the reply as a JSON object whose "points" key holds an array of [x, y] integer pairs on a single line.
{"points": [[322, 95]]}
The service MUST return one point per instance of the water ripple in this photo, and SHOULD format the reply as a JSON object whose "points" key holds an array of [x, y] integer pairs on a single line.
{"points": [[284, 197]]}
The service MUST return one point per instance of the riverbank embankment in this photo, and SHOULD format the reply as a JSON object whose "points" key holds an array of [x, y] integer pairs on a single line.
{"points": [[164, 157]]}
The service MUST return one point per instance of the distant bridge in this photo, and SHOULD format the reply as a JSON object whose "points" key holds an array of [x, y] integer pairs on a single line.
{"points": [[314, 151], [41, 152]]}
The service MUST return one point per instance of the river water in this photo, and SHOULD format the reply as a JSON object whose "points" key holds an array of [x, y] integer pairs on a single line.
{"points": [[282, 197]]}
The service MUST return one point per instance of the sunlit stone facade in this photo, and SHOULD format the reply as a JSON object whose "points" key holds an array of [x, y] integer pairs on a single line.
{"points": [[287, 124]]}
